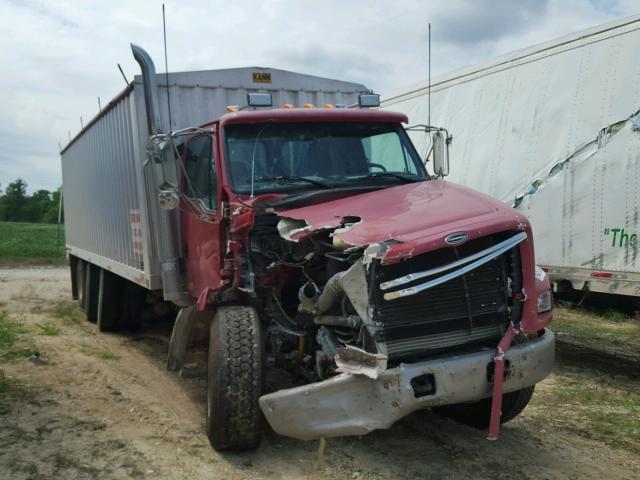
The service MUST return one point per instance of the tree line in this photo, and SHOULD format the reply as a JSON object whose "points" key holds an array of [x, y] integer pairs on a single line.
{"points": [[17, 206]]}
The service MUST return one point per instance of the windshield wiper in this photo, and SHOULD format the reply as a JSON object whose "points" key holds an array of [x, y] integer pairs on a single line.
{"points": [[292, 178], [388, 174]]}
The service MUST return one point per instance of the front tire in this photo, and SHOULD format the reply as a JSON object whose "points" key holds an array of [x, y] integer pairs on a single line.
{"points": [[235, 379], [478, 414]]}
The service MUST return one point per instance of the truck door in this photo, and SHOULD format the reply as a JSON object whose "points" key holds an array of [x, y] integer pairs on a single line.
{"points": [[200, 215]]}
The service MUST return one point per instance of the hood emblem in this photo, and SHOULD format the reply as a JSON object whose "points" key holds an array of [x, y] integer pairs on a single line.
{"points": [[456, 238]]}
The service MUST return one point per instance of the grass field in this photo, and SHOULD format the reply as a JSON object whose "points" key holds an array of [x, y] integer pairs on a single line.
{"points": [[611, 328], [605, 405], [31, 243]]}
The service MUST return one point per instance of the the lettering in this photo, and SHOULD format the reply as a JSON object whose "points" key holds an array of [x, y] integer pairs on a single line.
{"points": [[261, 77], [621, 238]]}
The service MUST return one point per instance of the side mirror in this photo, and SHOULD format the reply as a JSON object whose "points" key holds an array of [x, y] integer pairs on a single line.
{"points": [[441, 142], [165, 168]]}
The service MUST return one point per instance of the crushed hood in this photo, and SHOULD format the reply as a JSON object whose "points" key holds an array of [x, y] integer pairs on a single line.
{"points": [[403, 221]]}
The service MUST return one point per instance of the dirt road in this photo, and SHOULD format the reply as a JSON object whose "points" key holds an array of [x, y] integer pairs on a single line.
{"points": [[102, 406]]}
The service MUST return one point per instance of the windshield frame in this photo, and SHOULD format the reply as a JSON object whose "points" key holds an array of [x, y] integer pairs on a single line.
{"points": [[296, 187]]}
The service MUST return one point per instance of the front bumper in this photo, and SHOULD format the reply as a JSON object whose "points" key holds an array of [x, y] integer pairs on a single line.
{"points": [[350, 404]]}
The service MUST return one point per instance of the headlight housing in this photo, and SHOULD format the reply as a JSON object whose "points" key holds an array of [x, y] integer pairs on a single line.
{"points": [[545, 302]]}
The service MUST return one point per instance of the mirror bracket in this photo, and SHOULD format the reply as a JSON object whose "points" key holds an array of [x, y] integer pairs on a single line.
{"points": [[440, 142]]}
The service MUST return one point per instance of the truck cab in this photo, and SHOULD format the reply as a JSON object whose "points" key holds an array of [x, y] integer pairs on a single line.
{"points": [[318, 238]]}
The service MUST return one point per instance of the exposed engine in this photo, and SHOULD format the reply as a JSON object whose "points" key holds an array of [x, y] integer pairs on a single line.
{"points": [[323, 307], [307, 325]]}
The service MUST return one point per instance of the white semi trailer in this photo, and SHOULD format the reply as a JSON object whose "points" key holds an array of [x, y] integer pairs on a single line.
{"points": [[553, 130]]}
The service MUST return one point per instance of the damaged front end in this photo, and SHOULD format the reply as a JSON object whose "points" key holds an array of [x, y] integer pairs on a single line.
{"points": [[367, 328], [353, 404]]}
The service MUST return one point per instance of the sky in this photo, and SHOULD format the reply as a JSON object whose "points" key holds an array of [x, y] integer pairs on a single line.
{"points": [[58, 57]]}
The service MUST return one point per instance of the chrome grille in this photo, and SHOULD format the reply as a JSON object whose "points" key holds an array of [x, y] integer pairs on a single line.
{"points": [[471, 308]]}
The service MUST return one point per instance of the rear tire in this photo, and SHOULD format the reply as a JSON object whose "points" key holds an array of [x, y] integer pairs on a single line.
{"points": [[235, 379], [134, 298], [109, 301], [478, 414], [92, 289], [82, 287]]}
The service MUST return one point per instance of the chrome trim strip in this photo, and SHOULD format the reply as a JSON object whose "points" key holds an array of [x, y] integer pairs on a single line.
{"points": [[496, 250], [396, 282]]}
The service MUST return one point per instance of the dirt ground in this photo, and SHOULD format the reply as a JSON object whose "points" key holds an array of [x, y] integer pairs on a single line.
{"points": [[103, 406]]}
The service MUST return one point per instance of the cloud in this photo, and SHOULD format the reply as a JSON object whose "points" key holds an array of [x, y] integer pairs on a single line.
{"points": [[41, 9], [343, 63], [465, 23], [59, 57]]}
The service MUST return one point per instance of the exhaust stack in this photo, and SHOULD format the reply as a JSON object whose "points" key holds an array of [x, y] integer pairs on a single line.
{"points": [[150, 86], [167, 232]]}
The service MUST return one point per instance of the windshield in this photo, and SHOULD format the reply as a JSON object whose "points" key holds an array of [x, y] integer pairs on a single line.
{"points": [[287, 156]]}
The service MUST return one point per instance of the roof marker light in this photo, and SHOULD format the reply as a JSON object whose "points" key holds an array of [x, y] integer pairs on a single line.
{"points": [[309, 105], [259, 100], [287, 105], [328, 105], [233, 108], [369, 100]]}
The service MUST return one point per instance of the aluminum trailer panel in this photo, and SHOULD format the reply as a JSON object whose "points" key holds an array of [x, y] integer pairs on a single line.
{"points": [[553, 130], [111, 210], [103, 195]]}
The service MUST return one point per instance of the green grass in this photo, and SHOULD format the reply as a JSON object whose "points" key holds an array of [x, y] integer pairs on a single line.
{"points": [[68, 312], [105, 355], [4, 386], [12, 345], [610, 326], [605, 410], [10, 331], [18, 354], [101, 354], [615, 316], [49, 329], [32, 243]]}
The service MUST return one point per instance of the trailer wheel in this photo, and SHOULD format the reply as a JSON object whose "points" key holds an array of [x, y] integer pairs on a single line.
{"points": [[478, 414], [235, 379], [109, 301], [92, 288], [134, 298], [80, 279]]}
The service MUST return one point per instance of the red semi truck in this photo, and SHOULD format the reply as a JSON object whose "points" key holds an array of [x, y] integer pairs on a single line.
{"points": [[340, 284]]}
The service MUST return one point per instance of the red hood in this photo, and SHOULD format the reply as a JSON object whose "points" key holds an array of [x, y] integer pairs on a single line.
{"points": [[416, 217]]}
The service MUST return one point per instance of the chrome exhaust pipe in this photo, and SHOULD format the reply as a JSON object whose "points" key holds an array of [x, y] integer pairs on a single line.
{"points": [[150, 87], [167, 224]]}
